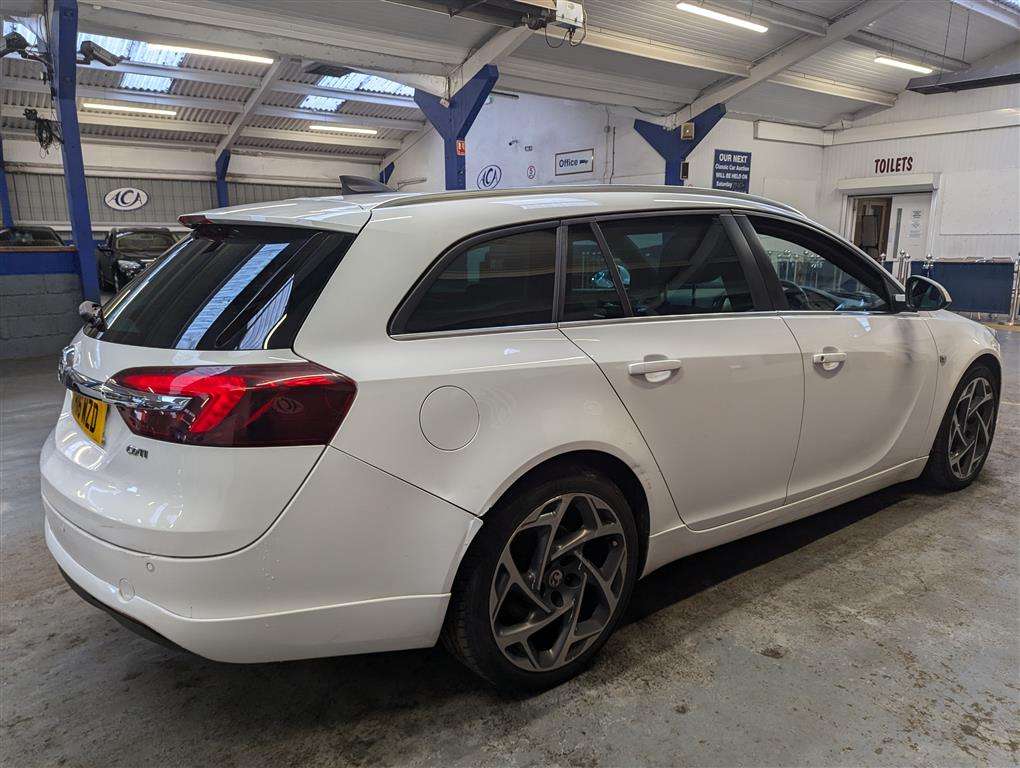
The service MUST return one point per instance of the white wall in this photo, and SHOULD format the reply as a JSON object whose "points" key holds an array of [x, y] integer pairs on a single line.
{"points": [[975, 213], [977, 206], [506, 127]]}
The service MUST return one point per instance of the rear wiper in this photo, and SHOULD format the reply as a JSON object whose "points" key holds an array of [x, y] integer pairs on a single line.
{"points": [[92, 314]]}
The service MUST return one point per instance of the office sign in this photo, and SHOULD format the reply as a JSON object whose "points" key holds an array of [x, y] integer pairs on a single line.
{"points": [[577, 161], [126, 198], [731, 170]]}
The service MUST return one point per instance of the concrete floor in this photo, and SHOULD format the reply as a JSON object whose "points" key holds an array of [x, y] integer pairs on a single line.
{"points": [[884, 632]]}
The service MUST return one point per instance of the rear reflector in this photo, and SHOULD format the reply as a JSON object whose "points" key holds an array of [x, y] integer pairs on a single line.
{"points": [[241, 405]]}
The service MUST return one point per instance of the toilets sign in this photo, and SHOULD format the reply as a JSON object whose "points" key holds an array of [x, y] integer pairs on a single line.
{"points": [[731, 170]]}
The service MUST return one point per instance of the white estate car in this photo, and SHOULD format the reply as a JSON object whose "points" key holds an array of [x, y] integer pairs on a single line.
{"points": [[329, 426]]}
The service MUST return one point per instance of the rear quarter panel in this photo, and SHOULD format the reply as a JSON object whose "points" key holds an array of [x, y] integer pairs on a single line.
{"points": [[535, 394]]}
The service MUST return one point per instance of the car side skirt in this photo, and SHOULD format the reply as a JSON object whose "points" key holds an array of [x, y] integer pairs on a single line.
{"points": [[681, 541]]}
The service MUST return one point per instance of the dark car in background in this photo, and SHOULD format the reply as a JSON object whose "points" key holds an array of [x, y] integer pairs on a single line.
{"points": [[29, 236], [126, 252]]}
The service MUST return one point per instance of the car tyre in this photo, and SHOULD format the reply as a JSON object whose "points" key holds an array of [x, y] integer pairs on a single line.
{"points": [[965, 436], [545, 582]]}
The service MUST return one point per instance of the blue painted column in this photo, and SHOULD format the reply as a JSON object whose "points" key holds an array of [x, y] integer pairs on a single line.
{"points": [[222, 193], [454, 120], [64, 55], [671, 147], [5, 195], [385, 173]]}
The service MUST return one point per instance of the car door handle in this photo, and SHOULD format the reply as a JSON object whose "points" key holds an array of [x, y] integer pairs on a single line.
{"points": [[653, 366], [829, 361]]}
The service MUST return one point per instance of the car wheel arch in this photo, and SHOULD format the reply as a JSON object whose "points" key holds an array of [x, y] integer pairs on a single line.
{"points": [[603, 462]]}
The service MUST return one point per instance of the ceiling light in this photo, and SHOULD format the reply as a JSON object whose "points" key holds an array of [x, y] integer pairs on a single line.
{"points": [[125, 108], [708, 13], [903, 65], [344, 129], [207, 52]]}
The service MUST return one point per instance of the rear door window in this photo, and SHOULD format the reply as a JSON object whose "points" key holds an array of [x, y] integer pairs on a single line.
{"points": [[500, 282], [590, 288], [226, 288], [678, 265]]}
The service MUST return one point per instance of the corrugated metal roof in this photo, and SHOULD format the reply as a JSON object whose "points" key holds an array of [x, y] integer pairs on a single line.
{"points": [[854, 65], [659, 20], [922, 23]]}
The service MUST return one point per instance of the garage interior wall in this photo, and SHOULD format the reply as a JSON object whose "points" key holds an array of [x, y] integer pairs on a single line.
{"points": [[977, 206], [178, 181], [517, 132]]}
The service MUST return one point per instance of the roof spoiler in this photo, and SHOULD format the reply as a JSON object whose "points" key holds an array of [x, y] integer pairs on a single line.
{"points": [[361, 185]]}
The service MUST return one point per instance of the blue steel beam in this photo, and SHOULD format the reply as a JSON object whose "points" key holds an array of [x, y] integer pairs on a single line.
{"points": [[64, 55], [5, 195], [385, 173], [222, 191], [453, 120], [671, 147]]}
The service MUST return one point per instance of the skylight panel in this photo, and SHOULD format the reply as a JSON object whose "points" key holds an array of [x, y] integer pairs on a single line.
{"points": [[356, 81], [140, 52], [152, 83], [321, 103]]}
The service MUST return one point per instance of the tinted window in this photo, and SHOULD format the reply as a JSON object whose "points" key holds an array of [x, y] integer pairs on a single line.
{"points": [[678, 265], [591, 293], [227, 288], [29, 236], [144, 241], [815, 273], [501, 282]]}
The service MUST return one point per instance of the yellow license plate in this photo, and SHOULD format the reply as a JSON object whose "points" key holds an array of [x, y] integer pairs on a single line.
{"points": [[90, 415]]}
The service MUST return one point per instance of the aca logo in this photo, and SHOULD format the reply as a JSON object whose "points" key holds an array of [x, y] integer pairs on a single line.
{"points": [[126, 199], [489, 176]]}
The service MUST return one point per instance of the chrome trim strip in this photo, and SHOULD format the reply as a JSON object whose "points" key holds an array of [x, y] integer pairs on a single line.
{"points": [[473, 331], [114, 394], [669, 318]]}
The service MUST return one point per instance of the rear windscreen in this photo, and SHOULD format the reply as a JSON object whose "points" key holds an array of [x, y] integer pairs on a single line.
{"points": [[226, 288]]}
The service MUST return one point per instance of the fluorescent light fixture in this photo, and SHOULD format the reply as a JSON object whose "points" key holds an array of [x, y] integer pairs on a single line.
{"points": [[207, 52], [125, 108], [344, 129], [708, 13], [903, 65]]}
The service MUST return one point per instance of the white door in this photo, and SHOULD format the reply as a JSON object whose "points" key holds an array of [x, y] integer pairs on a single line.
{"points": [[908, 225], [715, 386], [869, 374]]}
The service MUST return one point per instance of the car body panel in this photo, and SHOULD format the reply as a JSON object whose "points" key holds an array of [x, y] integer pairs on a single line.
{"points": [[182, 500], [872, 411], [960, 342], [375, 575], [354, 546], [723, 427]]}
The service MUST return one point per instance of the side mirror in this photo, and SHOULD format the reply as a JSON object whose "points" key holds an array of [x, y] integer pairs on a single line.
{"points": [[923, 293]]}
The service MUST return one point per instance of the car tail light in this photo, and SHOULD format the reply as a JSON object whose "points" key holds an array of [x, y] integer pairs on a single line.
{"points": [[241, 405]]}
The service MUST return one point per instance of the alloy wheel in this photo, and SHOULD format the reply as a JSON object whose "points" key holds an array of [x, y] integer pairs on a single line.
{"points": [[970, 431], [558, 582]]}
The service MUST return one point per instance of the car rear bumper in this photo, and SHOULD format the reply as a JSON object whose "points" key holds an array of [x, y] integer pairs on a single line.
{"points": [[332, 576]]}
